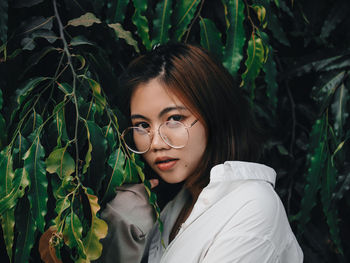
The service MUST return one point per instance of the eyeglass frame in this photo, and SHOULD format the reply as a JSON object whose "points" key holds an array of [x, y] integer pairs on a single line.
{"points": [[151, 136]]}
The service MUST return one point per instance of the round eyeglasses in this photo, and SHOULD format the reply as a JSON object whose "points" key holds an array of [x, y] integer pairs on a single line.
{"points": [[173, 133]]}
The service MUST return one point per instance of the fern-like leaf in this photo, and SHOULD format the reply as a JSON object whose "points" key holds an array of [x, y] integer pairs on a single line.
{"points": [[140, 21], [235, 36], [162, 23], [184, 13], [210, 37]]}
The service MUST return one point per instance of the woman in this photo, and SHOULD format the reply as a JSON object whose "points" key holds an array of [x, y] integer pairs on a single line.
{"points": [[192, 125]]}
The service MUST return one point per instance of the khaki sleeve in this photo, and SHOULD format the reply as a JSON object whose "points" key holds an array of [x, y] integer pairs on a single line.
{"points": [[130, 218]]}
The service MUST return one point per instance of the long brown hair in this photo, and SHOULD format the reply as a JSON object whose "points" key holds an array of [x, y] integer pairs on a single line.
{"points": [[213, 96]]}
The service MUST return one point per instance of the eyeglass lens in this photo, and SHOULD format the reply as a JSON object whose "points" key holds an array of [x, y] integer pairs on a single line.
{"points": [[173, 133]]}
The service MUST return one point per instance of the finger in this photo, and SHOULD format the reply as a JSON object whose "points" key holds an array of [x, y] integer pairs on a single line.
{"points": [[153, 182]]}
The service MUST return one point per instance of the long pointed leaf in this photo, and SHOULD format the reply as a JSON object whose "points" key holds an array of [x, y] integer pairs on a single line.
{"points": [[211, 37], [162, 23], [26, 227], [140, 21], [339, 109], [331, 213], [20, 183], [116, 162], [184, 13], [131, 172], [98, 230], [116, 11], [8, 217], [254, 62], [3, 21], [73, 232], [235, 36], [316, 167], [98, 155], [35, 167]]}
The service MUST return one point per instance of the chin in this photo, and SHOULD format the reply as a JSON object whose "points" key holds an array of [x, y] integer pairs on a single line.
{"points": [[171, 179]]}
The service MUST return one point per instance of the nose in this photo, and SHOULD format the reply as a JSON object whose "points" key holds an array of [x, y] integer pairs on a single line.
{"points": [[158, 143]]}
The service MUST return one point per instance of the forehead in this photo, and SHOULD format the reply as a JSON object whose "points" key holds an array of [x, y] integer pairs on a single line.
{"points": [[152, 97]]}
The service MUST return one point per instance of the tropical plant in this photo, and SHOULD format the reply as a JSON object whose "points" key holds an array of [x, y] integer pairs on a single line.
{"points": [[61, 108]]}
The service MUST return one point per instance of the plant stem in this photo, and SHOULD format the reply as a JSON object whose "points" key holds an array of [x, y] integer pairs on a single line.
{"points": [[69, 58]]}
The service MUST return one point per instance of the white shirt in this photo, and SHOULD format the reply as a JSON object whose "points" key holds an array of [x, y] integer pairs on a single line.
{"points": [[238, 217]]}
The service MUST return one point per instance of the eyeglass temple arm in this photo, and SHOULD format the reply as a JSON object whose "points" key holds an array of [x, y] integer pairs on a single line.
{"points": [[193, 123]]}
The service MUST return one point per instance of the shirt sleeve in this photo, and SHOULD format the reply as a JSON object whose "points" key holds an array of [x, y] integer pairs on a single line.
{"points": [[129, 217]]}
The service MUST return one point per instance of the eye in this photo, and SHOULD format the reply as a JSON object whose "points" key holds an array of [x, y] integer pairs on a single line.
{"points": [[176, 117], [142, 124]]}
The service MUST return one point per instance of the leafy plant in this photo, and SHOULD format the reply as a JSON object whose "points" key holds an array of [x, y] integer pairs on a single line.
{"points": [[61, 154]]}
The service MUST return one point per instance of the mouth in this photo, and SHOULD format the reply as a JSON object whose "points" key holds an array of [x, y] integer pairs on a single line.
{"points": [[165, 163]]}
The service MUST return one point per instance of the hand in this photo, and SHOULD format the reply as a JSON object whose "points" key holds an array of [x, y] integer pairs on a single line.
{"points": [[153, 182]]}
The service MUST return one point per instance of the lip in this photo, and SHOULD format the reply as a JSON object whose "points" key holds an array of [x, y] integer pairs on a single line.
{"points": [[165, 163]]}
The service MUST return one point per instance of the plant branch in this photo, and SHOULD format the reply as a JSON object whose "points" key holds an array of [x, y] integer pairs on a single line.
{"points": [[69, 58]]}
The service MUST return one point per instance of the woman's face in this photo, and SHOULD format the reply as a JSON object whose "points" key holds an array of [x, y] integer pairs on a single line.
{"points": [[150, 106]]}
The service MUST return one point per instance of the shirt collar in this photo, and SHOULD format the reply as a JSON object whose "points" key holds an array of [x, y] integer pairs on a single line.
{"points": [[238, 170]]}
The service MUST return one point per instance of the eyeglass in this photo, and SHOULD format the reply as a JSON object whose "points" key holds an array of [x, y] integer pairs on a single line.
{"points": [[173, 133]]}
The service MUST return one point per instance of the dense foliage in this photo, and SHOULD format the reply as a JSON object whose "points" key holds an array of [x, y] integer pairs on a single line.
{"points": [[61, 156]]}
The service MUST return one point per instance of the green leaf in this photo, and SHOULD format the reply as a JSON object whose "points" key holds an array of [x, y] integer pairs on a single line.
{"points": [[60, 162], [98, 230], [8, 217], [116, 162], [184, 13], [256, 59], [339, 109], [8, 224], [1, 99], [62, 204], [235, 36], [20, 182], [89, 150], [210, 37], [335, 16], [316, 166], [131, 172], [110, 136], [3, 21], [26, 227], [34, 121], [124, 34], [96, 92], [60, 123], [35, 167], [24, 92], [273, 24], [6, 172], [20, 147], [3, 134], [140, 21], [73, 232], [331, 212], [80, 40], [98, 155], [270, 70], [88, 19], [116, 11], [162, 22]]}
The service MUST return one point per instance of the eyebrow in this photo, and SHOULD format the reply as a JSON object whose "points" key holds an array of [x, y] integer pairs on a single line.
{"points": [[163, 112]]}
